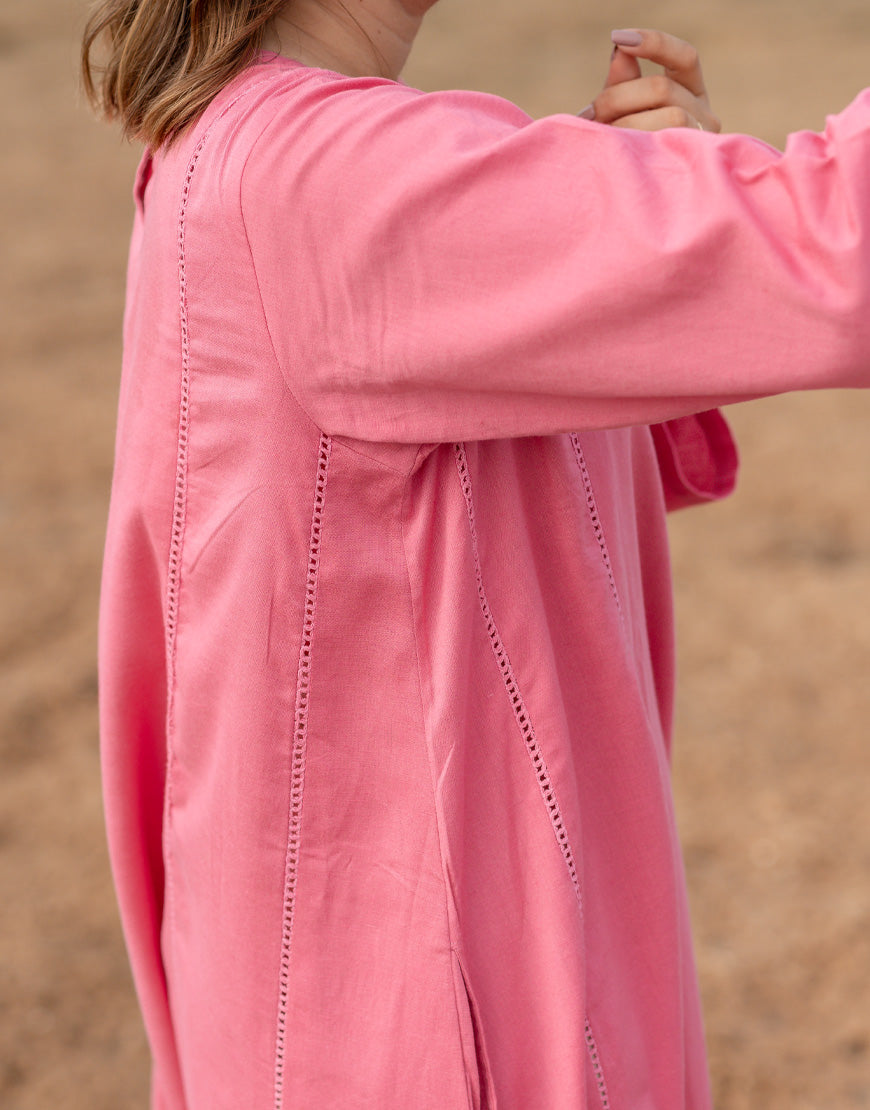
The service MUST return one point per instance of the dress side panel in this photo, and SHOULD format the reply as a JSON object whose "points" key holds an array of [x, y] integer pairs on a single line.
{"points": [[372, 1000]]}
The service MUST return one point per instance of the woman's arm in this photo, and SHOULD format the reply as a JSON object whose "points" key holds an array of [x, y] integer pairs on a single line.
{"points": [[439, 266]]}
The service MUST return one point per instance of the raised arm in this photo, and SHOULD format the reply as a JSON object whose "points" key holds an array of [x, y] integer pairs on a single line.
{"points": [[439, 266]]}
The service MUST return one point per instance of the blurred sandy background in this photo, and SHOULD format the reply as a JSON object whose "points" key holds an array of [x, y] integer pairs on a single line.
{"points": [[772, 763]]}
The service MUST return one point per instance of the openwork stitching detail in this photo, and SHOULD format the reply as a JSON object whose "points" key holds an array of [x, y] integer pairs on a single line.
{"points": [[528, 733], [297, 772], [179, 517], [596, 1067], [179, 503], [594, 516], [513, 691]]}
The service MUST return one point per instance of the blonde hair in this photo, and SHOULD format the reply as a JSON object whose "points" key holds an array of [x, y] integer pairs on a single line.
{"points": [[168, 58]]}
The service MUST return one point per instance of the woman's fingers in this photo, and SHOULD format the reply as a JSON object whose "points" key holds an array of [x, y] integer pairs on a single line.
{"points": [[657, 119], [622, 68], [647, 94], [679, 58], [675, 98]]}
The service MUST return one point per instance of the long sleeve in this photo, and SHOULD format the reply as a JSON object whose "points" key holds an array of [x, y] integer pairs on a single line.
{"points": [[438, 266]]}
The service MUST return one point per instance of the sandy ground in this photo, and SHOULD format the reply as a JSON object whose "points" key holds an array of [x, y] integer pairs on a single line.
{"points": [[772, 760]]}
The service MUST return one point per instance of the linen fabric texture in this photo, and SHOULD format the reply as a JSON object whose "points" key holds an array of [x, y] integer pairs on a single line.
{"points": [[386, 658]]}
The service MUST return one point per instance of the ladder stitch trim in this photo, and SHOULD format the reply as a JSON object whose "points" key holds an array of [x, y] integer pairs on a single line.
{"points": [[297, 771], [179, 509], [528, 733], [594, 516]]}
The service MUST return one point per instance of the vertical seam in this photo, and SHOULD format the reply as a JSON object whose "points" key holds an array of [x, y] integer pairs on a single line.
{"points": [[595, 516], [179, 519], [596, 1067], [443, 847], [179, 510], [527, 731], [598, 529], [520, 713], [297, 766]]}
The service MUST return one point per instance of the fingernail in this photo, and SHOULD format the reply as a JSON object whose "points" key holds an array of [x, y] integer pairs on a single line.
{"points": [[626, 38], [588, 112]]}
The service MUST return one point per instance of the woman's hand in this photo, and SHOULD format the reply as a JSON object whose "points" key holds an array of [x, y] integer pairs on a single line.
{"points": [[675, 98]]}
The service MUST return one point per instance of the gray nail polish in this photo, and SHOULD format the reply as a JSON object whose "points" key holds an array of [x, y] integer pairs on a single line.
{"points": [[626, 38]]}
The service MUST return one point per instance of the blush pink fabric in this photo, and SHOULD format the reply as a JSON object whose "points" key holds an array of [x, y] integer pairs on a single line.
{"points": [[386, 641]]}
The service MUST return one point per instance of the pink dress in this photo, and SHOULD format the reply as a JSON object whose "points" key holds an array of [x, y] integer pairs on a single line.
{"points": [[386, 637]]}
